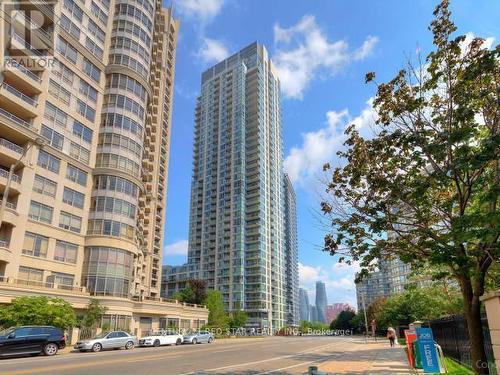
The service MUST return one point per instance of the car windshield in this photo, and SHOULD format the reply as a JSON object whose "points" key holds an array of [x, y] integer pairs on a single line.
{"points": [[7, 331], [101, 335]]}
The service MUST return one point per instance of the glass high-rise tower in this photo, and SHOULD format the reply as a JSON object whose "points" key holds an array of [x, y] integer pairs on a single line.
{"points": [[321, 301], [236, 230], [291, 255]]}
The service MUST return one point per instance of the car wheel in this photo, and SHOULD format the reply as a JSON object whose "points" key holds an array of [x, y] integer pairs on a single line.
{"points": [[129, 345], [96, 347], [195, 341], [178, 342], [156, 343], [210, 340], [50, 349]]}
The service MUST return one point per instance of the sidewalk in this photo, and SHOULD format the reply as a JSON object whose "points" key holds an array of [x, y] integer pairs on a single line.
{"points": [[368, 358]]}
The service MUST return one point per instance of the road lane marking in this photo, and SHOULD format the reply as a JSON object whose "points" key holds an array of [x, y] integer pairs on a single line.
{"points": [[284, 368], [262, 361], [150, 358]]}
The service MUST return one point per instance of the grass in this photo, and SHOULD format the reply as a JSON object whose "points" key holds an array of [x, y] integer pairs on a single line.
{"points": [[401, 341], [455, 368]]}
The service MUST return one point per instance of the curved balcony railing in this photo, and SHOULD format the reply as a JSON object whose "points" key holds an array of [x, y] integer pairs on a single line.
{"points": [[11, 146], [5, 174], [19, 94], [26, 71], [14, 118]]}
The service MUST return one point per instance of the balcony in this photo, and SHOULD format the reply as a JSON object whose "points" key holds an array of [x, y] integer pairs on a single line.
{"points": [[19, 44], [9, 152], [17, 102], [25, 79], [40, 34], [15, 185]]}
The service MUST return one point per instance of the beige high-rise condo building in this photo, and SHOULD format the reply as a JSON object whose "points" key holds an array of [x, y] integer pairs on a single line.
{"points": [[86, 92]]}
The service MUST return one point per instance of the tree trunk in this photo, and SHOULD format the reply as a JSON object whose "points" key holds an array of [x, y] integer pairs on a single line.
{"points": [[472, 307]]}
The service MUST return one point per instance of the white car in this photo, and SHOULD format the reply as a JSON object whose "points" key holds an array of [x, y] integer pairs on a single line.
{"points": [[161, 338]]}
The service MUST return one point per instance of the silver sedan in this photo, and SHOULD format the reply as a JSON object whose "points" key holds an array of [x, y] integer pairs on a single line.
{"points": [[107, 340], [197, 337]]}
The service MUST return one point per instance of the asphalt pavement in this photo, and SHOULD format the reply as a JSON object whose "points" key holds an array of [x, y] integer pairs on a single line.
{"points": [[250, 356]]}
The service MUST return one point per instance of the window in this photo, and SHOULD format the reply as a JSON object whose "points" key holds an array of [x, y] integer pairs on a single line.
{"points": [[74, 9], [44, 186], [94, 48], [56, 115], [66, 50], [70, 27], [91, 70], [55, 139], [88, 91], [64, 73], [85, 110], [59, 92], [49, 162], [30, 274], [70, 222], [40, 212], [76, 175], [82, 131], [61, 279], [96, 31], [65, 252], [110, 228], [116, 184], [99, 13], [35, 245], [73, 197], [79, 152]]}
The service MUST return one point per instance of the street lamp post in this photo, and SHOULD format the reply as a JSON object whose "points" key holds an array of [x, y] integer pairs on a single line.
{"points": [[39, 142]]}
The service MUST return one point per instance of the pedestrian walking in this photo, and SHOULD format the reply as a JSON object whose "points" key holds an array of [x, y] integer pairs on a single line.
{"points": [[391, 335]]}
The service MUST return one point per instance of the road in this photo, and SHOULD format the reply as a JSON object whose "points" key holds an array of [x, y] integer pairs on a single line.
{"points": [[256, 356]]}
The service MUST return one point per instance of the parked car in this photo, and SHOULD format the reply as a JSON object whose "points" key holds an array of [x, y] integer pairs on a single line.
{"points": [[27, 340], [107, 340], [161, 338], [196, 337]]}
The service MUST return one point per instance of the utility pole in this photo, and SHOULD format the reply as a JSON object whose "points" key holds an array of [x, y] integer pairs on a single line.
{"points": [[39, 142]]}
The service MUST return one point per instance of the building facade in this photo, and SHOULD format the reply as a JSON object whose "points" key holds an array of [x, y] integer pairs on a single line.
{"points": [[291, 255], [390, 278], [333, 310], [85, 115], [313, 314], [236, 227], [303, 305], [321, 301]]}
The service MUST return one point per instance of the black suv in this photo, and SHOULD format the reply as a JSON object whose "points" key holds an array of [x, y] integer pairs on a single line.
{"points": [[31, 340]]}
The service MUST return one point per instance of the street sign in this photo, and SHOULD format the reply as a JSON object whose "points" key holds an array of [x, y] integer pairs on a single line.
{"points": [[410, 337], [428, 351]]}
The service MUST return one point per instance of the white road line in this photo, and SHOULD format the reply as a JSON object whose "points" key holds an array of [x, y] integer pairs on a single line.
{"points": [[262, 361], [152, 358], [284, 368]]}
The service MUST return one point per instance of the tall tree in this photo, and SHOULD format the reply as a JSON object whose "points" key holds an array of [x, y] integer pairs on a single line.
{"points": [[93, 314], [426, 186], [38, 311], [217, 317]]}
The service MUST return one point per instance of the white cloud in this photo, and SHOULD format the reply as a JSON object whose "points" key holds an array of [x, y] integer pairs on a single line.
{"points": [[212, 51], [366, 48], [305, 162], [177, 248], [203, 10], [339, 282], [303, 51]]}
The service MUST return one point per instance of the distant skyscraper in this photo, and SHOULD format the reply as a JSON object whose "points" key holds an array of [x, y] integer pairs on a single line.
{"points": [[321, 301], [313, 314], [303, 305], [291, 255], [236, 229]]}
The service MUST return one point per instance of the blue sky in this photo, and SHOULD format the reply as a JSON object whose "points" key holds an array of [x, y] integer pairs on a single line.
{"points": [[322, 49]]}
